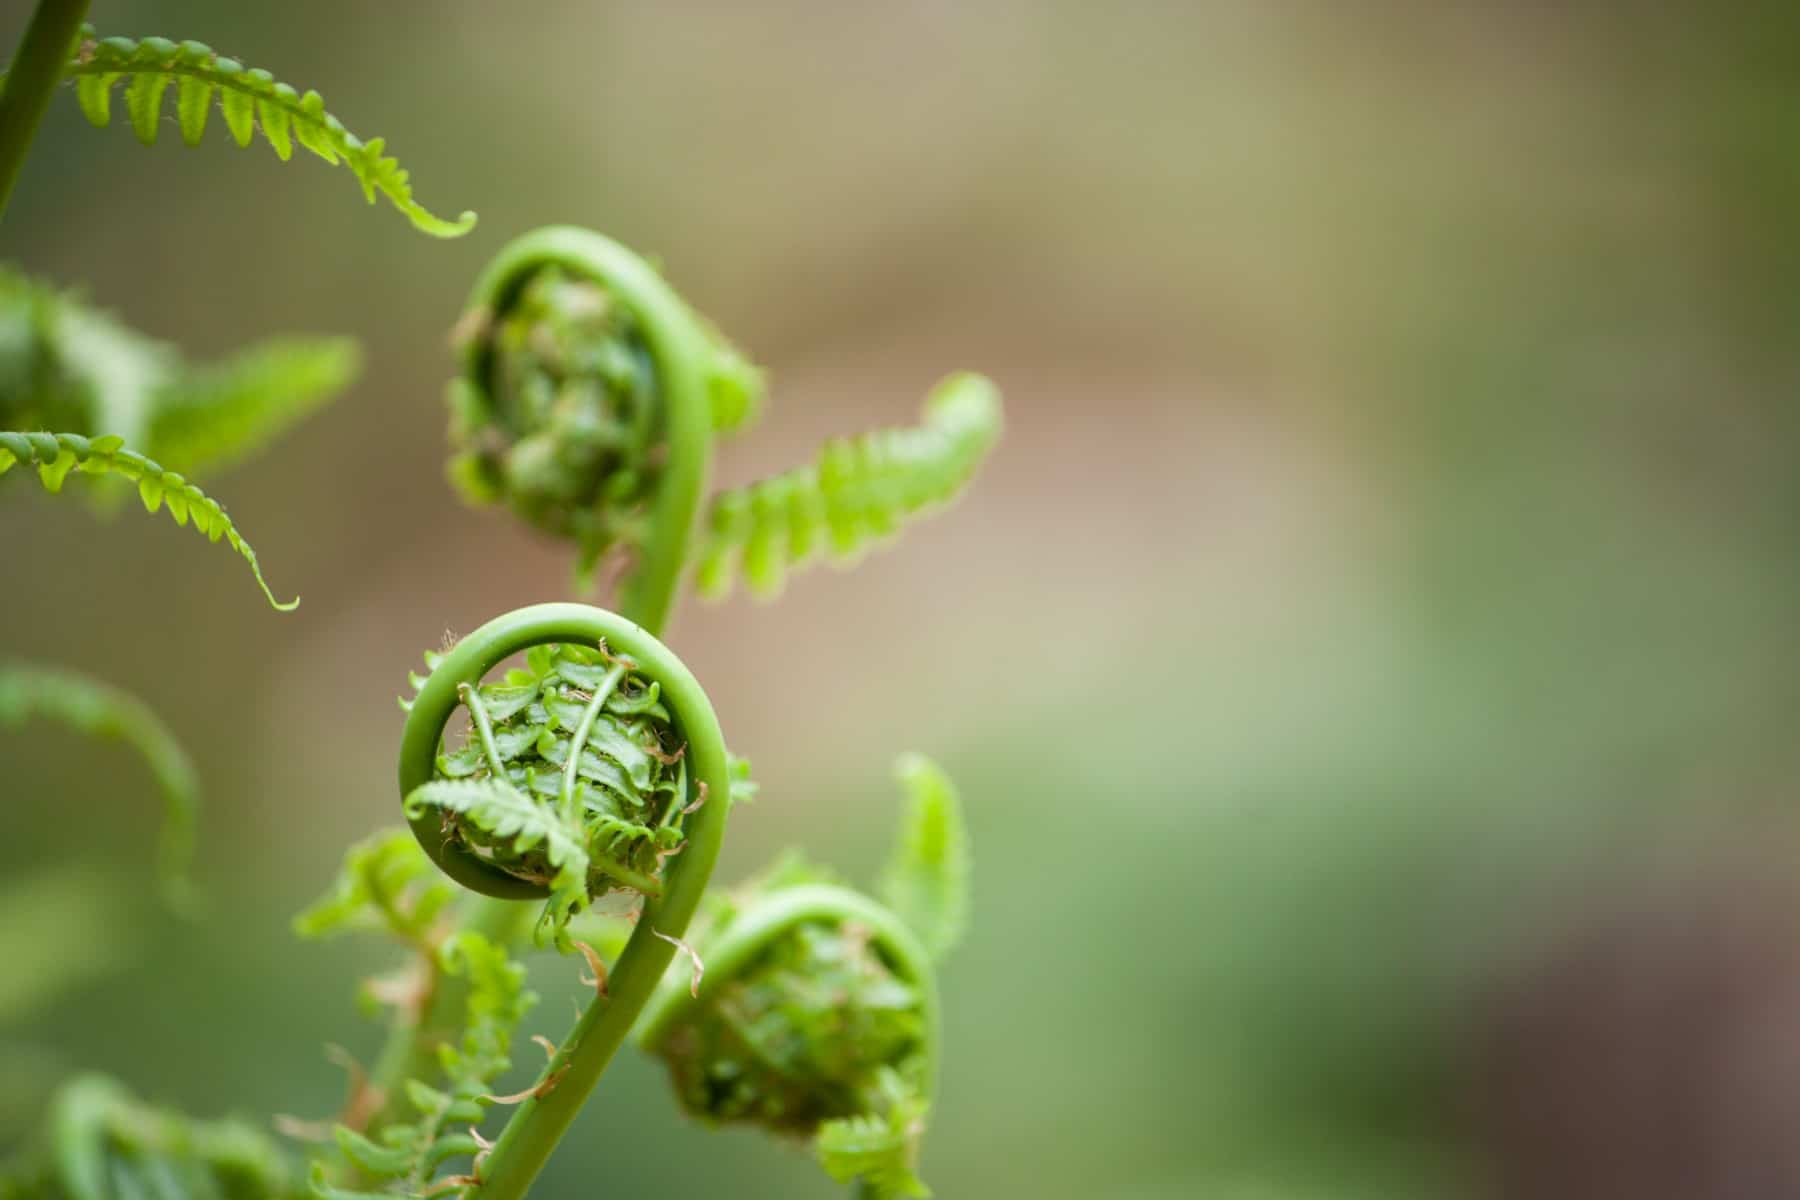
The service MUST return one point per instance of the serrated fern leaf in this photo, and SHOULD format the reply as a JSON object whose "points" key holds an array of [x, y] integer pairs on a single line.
{"points": [[249, 98], [881, 1150], [213, 416], [387, 883], [926, 881], [859, 491], [101, 710], [505, 812], [56, 454]]}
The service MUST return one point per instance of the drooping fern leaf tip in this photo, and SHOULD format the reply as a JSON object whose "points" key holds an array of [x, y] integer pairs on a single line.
{"points": [[249, 98], [56, 454]]}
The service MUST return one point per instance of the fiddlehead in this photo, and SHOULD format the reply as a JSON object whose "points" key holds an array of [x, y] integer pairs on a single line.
{"points": [[604, 704], [102, 1143], [817, 1014], [248, 98], [100, 710], [56, 454], [860, 490], [588, 400], [587, 403]]}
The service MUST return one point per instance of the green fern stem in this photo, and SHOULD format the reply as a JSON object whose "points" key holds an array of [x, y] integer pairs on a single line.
{"points": [[699, 385], [56, 454], [541, 1120], [35, 72]]}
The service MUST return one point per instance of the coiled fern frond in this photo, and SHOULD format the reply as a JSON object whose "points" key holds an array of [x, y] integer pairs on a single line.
{"points": [[817, 1016], [56, 454], [67, 365], [101, 710], [860, 490], [102, 1143], [248, 98]]}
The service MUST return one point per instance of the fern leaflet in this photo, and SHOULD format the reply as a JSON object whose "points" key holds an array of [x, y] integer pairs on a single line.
{"points": [[882, 1150], [56, 454], [249, 98], [860, 490], [926, 882], [387, 883], [101, 710]]}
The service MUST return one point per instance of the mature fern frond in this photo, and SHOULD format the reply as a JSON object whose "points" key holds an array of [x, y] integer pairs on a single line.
{"points": [[56, 454], [926, 882], [101, 710], [210, 417], [860, 490], [406, 1159], [387, 883], [248, 98]]}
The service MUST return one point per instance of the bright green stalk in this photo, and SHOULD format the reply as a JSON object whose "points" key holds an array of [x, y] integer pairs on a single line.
{"points": [[563, 1087], [36, 69]]}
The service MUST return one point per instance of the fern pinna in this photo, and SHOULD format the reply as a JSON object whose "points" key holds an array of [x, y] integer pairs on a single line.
{"points": [[588, 401]]}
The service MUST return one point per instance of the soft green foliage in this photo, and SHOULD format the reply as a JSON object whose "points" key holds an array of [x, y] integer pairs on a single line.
{"points": [[860, 490], [564, 428], [926, 882], [56, 454], [409, 1158], [881, 1149], [101, 710], [248, 98], [571, 776], [104, 1144], [67, 365], [386, 883]]}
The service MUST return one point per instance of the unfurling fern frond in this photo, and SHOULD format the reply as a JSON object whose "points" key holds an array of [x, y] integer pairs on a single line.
{"points": [[410, 1158], [101, 710], [248, 98], [210, 417], [860, 490], [102, 1143], [56, 454], [817, 1016]]}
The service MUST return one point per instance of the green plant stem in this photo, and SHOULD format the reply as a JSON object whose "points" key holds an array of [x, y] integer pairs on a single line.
{"points": [[35, 71], [541, 1120]]}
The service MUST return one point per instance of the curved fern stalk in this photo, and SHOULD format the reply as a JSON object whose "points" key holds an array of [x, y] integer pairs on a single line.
{"points": [[817, 1015], [860, 490], [56, 454], [588, 401], [101, 710], [502, 865], [249, 98]]}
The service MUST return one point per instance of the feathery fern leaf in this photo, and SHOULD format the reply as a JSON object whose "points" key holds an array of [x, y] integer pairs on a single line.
{"points": [[926, 882], [212, 416], [387, 883], [528, 827], [882, 1150], [249, 98], [408, 1158], [56, 454], [101, 710], [860, 490]]}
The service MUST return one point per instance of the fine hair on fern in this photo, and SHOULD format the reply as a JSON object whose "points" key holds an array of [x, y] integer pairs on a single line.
{"points": [[56, 454], [249, 99]]}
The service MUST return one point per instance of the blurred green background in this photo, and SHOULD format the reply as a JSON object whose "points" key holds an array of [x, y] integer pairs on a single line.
{"points": [[1369, 661]]}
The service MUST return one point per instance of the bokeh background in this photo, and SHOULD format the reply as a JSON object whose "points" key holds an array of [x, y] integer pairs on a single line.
{"points": [[1369, 661]]}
